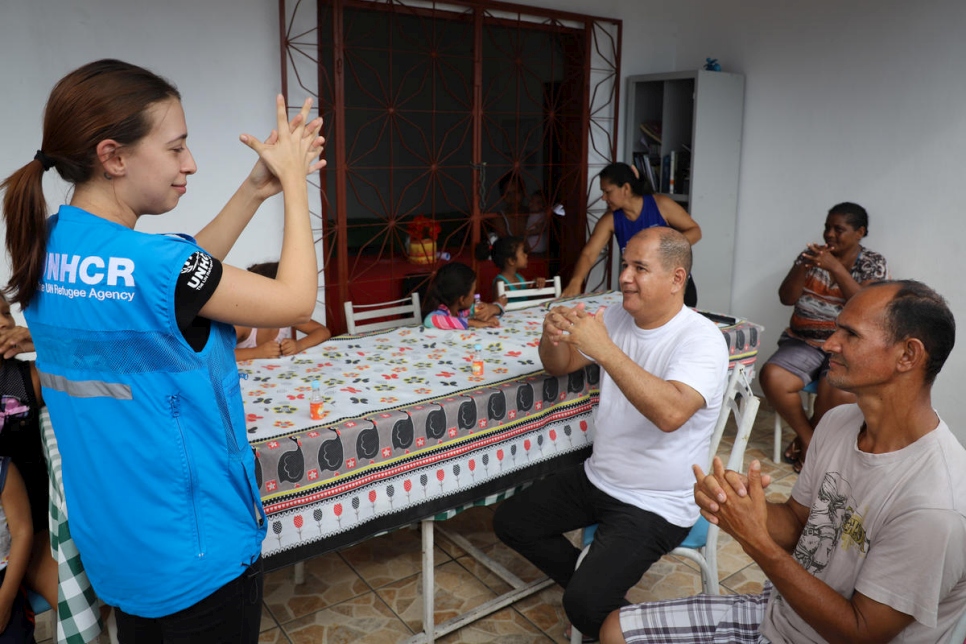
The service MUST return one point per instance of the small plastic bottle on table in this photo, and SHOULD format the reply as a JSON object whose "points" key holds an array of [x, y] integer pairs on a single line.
{"points": [[477, 361], [316, 401]]}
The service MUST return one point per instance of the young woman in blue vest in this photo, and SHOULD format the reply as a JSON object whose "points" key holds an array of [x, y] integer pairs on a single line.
{"points": [[135, 343]]}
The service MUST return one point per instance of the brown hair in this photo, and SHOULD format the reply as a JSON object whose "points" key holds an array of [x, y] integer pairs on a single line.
{"points": [[265, 269], [105, 99]]}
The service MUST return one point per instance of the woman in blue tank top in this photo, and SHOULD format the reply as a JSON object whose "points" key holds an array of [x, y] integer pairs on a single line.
{"points": [[630, 209]]}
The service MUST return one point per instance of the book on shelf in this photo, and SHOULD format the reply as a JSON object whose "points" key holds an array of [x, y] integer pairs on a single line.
{"points": [[644, 169]]}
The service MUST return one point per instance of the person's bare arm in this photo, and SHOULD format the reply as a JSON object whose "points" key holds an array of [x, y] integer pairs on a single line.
{"points": [[591, 251], [678, 218], [221, 233], [265, 350], [315, 334], [764, 534], [793, 285]]}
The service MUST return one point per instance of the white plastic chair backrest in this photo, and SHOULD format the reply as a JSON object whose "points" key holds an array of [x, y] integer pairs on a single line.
{"points": [[741, 401], [521, 298], [401, 312]]}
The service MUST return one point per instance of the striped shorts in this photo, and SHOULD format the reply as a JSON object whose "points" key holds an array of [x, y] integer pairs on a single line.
{"points": [[703, 619]]}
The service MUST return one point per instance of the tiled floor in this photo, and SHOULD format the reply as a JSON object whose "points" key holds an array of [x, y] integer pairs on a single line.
{"points": [[371, 593]]}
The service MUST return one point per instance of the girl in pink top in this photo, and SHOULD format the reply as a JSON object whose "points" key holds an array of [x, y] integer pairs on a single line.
{"points": [[450, 301]]}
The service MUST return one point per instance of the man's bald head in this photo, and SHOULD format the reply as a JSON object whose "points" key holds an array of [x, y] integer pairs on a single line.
{"points": [[674, 249]]}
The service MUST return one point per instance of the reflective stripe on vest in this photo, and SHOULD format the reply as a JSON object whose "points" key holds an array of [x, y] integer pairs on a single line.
{"points": [[86, 388]]}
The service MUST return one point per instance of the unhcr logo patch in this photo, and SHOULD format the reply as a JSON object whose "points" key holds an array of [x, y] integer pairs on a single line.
{"points": [[62, 272]]}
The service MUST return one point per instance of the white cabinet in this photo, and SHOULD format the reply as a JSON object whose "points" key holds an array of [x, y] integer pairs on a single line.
{"points": [[699, 112]]}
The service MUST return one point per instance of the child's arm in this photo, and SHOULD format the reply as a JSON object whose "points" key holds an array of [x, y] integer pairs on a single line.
{"points": [[17, 508], [540, 282], [494, 321], [485, 312], [315, 334], [267, 350]]}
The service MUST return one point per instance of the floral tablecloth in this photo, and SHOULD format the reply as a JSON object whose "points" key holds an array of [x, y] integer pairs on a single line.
{"points": [[409, 431]]}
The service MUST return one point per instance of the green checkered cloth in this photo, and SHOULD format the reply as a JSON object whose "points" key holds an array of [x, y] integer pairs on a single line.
{"points": [[78, 615]]}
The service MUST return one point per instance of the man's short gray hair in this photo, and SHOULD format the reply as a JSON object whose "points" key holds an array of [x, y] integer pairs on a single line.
{"points": [[675, 249]]}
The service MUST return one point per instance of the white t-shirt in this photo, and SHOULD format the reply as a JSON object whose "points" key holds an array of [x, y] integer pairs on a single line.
{"points": [[633, 460], [891, 526]]}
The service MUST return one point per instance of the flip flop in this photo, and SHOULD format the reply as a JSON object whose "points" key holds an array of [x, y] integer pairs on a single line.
{"points": [[797, 466], [793, 452]]}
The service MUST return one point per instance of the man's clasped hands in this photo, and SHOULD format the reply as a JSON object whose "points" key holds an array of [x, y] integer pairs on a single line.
{"points": [[735, 502], [577, 326]]}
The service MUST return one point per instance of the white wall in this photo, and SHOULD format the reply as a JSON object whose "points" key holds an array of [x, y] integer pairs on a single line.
{"points": [[223, 57], [857, 101], [845, 101]]}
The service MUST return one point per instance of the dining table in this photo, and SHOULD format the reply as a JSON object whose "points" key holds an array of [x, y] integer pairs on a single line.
{"points": [[408, 435]]}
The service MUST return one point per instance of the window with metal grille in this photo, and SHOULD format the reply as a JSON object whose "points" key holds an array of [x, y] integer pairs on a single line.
{"points": [[446, 123]]}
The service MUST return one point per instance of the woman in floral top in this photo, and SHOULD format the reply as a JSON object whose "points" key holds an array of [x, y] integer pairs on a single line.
{"points": [[819, 283]]}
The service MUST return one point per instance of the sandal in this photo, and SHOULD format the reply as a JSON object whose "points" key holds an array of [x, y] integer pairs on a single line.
{"points": [[798, 465], [793, 453]]}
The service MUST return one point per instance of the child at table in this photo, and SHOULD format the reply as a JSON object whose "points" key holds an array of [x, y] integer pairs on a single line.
{"points": [[272, 343], [510, 256], [450, 301]]}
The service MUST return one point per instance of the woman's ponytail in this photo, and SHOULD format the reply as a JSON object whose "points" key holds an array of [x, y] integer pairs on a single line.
{"points": [[25, 216]]}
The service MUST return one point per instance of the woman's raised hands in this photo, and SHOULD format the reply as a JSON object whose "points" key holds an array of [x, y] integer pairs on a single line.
{"points": [[291, 151]]}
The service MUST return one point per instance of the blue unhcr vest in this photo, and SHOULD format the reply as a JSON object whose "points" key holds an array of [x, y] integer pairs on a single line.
{"points": [[158, 474]]}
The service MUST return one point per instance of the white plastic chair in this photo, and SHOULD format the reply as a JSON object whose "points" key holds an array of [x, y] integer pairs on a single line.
{"points": [[808, 401], [701, 544], [521, 298], [400, 312]]}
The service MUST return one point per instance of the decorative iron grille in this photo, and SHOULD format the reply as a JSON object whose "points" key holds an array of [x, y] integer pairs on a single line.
{"points": [[464, 112]]}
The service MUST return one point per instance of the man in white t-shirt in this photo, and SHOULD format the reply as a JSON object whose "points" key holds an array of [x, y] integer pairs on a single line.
{"points": [[871, 546], [663, 376]]}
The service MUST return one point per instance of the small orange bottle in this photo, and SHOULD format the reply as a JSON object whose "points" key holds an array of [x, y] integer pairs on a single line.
{"points": [[316, 402], [477, 362]]}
